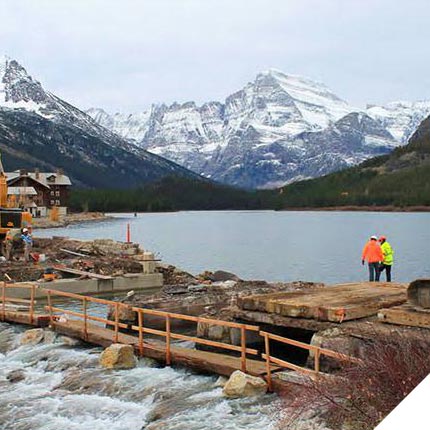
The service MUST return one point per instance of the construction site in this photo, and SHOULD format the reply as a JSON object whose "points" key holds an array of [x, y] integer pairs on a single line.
{"points": [[107, 292]]}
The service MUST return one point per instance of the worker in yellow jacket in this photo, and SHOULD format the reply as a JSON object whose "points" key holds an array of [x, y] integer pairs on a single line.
{"points": [[388, 260]]}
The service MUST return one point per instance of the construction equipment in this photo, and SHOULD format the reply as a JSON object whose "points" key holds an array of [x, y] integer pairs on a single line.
{"points": [[10, 217]]}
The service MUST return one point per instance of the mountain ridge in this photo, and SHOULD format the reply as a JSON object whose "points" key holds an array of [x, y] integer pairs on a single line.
{"points": [[264, 134], [39, 129]]}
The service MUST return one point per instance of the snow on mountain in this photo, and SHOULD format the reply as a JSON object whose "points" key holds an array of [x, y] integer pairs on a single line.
{"points": [[276, 129], [401, 118], [38, 128]]}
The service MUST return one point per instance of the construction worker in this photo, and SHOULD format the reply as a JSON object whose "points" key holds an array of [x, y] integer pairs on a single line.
{"points": [[388, 254], [372, 253], [28, 243]]}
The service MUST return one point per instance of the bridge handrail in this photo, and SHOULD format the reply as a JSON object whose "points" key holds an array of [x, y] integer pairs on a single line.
{"points": [[31, 302], [141, 329], [317, 350], [168, 334]]}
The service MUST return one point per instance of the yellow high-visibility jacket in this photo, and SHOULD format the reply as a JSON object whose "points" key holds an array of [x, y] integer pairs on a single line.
{"points": [[388, 254]]}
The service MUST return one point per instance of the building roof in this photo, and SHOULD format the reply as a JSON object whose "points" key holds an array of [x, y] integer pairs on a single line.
{"points": [[45, 178], [22, 191]]}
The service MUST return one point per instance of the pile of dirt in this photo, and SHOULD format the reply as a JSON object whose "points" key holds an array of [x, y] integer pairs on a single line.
{"points": [[174, 277], [20, 272]]}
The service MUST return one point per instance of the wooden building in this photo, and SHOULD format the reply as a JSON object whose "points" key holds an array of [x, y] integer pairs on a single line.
{"points": [[38, 192]]}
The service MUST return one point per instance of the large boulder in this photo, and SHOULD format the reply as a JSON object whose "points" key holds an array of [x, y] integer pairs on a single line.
{"points": [[32, 336], [118, 356], [242, 385]]}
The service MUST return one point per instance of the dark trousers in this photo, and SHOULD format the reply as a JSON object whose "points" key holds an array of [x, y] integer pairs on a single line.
{"points": [[387, 269], [374, 272]]}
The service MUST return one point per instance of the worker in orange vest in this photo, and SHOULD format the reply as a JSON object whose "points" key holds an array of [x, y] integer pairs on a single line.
{"points": [[372, 253]]}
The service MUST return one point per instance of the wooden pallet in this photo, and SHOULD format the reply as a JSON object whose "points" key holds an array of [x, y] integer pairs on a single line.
{"points": [[335, 303], [407, 315]]}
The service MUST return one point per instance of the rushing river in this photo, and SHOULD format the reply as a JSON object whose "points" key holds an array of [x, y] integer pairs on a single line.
{"points": [[65, 389], [275, 246]]}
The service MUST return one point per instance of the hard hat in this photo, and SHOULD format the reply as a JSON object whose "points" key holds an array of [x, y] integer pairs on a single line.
{"points": [[25, 230], [382, 238], [374, 237]]}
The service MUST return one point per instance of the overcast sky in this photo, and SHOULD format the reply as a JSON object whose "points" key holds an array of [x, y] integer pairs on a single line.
{"points": [[124, 55]]}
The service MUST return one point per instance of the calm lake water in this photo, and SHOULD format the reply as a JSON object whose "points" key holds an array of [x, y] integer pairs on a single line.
{"points": [[275, 246]]}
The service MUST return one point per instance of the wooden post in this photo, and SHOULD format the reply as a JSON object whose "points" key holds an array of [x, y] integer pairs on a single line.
{"points": [[168, 356], [116, 322], [243, 346], [140, 320], [84, 305], [3, 298], [267, 349], [317, 361], [51, 318], [33, 287]]}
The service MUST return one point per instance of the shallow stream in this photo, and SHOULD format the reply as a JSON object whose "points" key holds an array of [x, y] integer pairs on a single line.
{"points": [[65, 388]]}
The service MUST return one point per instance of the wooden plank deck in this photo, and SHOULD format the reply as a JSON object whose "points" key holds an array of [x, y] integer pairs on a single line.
{"points": [[211, 362], [202, 361], [406, 315], [335, 303]]}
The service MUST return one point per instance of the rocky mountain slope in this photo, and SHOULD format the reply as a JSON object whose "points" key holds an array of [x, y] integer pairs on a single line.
{"points": [[400, 179], [277, 129], [38, 129]]}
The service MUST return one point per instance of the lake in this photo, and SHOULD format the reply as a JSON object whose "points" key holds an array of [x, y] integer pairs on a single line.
{"points": [[274, 246]]}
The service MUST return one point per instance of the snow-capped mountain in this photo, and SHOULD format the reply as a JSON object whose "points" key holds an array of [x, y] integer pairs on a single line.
{"points": [[277, 129], [401, 119], [38, 129]]}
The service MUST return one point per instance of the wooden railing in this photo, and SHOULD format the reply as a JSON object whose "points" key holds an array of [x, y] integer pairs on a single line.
{"points": [[140, 328], [168, 334], [317, 351], [5, 300]]}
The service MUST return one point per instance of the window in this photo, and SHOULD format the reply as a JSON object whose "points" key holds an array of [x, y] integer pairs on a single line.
{"points": [[52, 193], [57, 202], [52, 202], [57, 194]]}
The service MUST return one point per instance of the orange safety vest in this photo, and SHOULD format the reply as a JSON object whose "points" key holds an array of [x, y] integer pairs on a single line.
{"points": [[372, 252]]}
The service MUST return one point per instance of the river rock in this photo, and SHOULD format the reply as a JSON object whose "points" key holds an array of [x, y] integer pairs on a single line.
{"points": [[49, 336], [32, 336], [68, 341], [242, 385], [16, 376], [220, 382], [118, 356]]}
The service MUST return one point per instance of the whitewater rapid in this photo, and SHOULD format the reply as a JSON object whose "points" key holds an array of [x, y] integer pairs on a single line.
{"points": [[65, 388]]}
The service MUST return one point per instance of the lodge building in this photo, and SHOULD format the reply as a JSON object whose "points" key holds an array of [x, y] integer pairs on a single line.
{"points": [[38, 192]]}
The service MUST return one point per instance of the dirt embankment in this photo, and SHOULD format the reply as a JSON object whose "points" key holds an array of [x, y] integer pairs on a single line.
{"points": [[66, 220]]}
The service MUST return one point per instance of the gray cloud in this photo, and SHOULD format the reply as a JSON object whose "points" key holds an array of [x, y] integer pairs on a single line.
{"points": [[126, 54]]}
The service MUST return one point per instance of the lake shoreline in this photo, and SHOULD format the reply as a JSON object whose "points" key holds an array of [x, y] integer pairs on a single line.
{"points": [[359, 209], [64, 221]]}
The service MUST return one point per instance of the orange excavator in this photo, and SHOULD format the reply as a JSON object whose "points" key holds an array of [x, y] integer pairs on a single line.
{"points": [[12, 219]]}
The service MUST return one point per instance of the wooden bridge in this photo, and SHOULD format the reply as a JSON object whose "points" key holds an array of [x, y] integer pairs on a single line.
{"points": [[92, 329]]}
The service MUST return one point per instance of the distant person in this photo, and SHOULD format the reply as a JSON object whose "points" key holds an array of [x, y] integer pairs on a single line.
{"points": [[28, 243], [372, 253], [388, 258]]}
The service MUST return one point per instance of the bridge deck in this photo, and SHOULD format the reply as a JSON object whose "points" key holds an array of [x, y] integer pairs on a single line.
{"points": [[334, 303], [211, 362], [203, 361]]}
